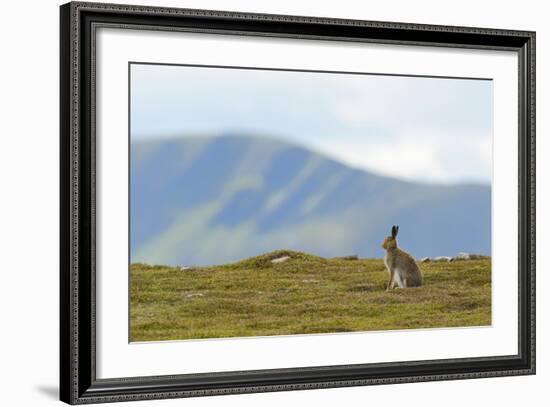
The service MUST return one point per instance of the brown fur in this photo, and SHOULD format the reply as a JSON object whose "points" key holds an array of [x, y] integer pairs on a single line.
{"points": [[400, 264]]}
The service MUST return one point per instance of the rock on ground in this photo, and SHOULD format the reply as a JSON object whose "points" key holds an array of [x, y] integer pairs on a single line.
{"points": [[459, 256], [280, 259], [443, 258]]}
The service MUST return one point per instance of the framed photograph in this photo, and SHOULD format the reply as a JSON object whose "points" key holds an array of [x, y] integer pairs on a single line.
{"points": [[255, 203]]}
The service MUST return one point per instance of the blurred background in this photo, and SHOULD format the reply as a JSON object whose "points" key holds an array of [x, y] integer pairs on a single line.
{"points": [[231, 163]]}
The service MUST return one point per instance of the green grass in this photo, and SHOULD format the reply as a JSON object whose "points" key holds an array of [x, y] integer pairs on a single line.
{"points": [[306, 294]]}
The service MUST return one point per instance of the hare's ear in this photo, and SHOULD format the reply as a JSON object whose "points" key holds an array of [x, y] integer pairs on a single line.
{"points": [[394, 230]]}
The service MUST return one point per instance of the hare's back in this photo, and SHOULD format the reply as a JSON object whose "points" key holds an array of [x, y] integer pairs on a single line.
{"points": [[407, 264]]}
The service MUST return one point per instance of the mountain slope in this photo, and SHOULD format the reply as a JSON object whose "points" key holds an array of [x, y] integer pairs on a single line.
{"points": [[205, 200]]}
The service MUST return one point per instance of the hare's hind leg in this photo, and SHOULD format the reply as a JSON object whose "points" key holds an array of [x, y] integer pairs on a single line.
{"points": [[398, 279]]}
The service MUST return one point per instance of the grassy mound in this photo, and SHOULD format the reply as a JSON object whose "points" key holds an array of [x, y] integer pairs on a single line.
{"points": [[265, 260]]}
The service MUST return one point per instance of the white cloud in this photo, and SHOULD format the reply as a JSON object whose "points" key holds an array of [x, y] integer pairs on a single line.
{"points": [[418, 155]]}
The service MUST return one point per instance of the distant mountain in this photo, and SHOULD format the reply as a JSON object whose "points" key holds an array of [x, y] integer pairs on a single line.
{"points": [[212, 200]]}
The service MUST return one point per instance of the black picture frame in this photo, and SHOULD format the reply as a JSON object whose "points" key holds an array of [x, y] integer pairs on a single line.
{"points": [[78, 382]]}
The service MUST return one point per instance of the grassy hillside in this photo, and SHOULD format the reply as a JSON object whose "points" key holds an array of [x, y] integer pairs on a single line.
{"points": [[305, 294]]}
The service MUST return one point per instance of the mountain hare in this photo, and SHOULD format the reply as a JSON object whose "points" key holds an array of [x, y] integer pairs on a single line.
{"points": [[403, 270]]}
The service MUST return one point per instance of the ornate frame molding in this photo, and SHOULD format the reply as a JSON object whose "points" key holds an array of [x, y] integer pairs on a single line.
{"points": [[77, 210]]}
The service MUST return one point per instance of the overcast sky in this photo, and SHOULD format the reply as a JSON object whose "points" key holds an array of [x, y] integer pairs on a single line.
{"points": [[423, 129]]}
